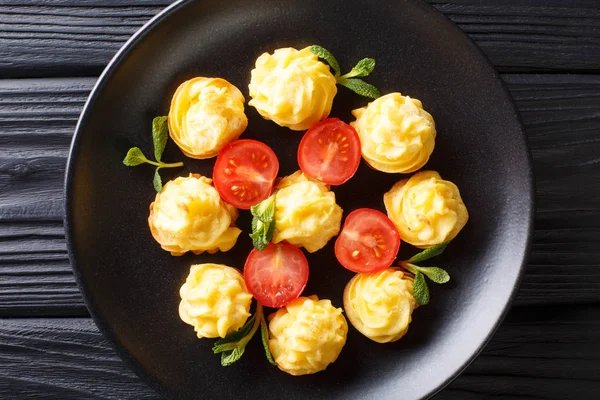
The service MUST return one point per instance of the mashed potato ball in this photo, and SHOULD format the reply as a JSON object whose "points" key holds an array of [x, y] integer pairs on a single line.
{"points": [[380, 305], [292, 88], [306, 213], [189, 215], [396, 133], [307, 335], [205, 115], [214, 300], [426, 209]]}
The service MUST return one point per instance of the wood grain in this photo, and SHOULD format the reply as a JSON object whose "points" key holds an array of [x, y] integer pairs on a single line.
{"points": [[37, 118], [69, 359], [63, 38]]}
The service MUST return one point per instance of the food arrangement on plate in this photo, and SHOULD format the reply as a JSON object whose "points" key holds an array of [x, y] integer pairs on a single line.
{"points": [[392, 133]]}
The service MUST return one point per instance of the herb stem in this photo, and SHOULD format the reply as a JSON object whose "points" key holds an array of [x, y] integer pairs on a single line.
{"points": [[258, 317], [409, 267], [349, 75], [165, 165], [171, 165]]}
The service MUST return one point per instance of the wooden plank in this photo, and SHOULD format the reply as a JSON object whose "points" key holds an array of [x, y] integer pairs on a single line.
{"points": [[61, 38], [562, 120], [561, 117], [62, 358], [539, 353]]}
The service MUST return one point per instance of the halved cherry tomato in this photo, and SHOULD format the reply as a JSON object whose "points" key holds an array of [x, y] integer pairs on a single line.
{"points": [[277, 275], [330, 151], [244, 173], [368, 242]]}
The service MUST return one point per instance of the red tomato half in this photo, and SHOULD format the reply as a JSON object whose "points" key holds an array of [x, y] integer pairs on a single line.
{"points": [[277, 275], [330, 151], [368, 242], [244, 173]]}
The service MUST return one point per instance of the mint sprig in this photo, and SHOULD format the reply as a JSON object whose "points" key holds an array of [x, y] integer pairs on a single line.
{"points": [[350, 80], [431, 252], [361, 87], [263, 223], [264, 333], [160, 135], [233, 346], [326, 55], [435, 274]]}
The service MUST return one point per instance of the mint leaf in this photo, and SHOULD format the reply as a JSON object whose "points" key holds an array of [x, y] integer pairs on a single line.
{"points": [[265, 210], [436, 274], [326, 55], [160, 134], [228, 358], [431, 252], [263, 223], [157, 182], [225, 343], [233, 345], [264, 333], [258, 239], [361, 87], [134, 157], [420, 289], [363, 68]]}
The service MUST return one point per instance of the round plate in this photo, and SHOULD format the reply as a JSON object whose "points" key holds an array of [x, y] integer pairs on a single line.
{"points": [[131, 286]]}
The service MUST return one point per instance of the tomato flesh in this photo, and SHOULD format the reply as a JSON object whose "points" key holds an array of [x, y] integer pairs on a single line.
{"points": [[368, 242], [244, 173], [330, 151], [277, 275]]}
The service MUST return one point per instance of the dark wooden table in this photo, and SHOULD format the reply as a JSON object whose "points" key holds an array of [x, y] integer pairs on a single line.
{"points": [[548, 52]]}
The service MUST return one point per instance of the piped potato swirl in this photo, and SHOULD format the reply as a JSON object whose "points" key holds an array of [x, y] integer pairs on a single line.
{"points": [[214, 300], [189, 215], [426, 209], [396, 133], [205, 115], [292, 88], [307, 335], [380, 305]]}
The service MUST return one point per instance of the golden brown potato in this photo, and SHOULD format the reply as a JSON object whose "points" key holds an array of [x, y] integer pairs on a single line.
{"points": [[426, 209], [396, 134], [292, 88], [307, 335], [189, 215], [306, 213], [380, 305], [205, 115], [214, 300]]}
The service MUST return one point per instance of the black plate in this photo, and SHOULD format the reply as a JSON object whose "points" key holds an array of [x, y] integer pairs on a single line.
{"points": [[131, 285]]}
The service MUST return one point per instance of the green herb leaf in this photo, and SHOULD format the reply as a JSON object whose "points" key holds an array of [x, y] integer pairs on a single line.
{"points": [[438, 275], [265, 210], [363, 68], [225, 344], [431, 252], [420, 289], [326, 55], [361, 87], [258, 240], [134, 157], [157, 182], [160, 134], [232, 346], [228, 358], [264, 333], [263, 223]]}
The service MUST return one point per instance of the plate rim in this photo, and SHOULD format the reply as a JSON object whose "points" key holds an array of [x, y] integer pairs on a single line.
{"points": [[106, 329]]}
